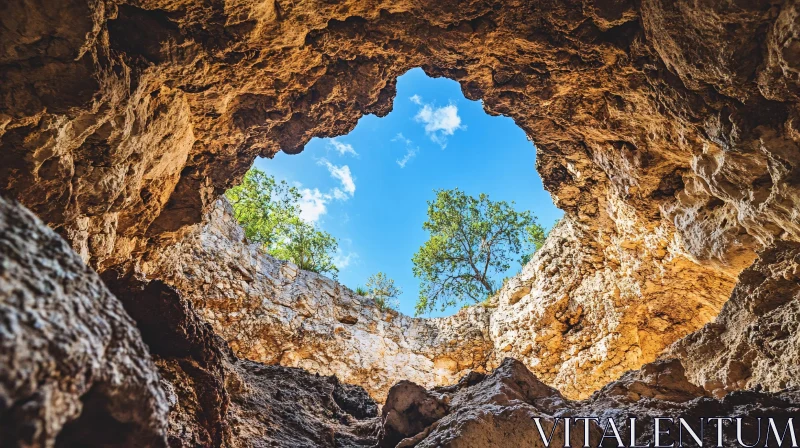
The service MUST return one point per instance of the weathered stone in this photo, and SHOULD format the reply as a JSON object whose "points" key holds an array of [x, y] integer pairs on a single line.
{"points": [[754, 342], [651, 120], [272, 312], [499, 410], [73, 368], [220, 400], [666, 130], [575, 331]]}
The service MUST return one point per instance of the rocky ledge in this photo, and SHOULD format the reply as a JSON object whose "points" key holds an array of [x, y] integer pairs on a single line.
{"points": [[576, 322], [666, 130], [100, 379]]}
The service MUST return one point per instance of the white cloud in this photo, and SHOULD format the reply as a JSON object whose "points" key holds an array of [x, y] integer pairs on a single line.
{"points": [[439, 122], [342, 173], [342, 261], [313, 204], [411, 151], [402, 138], [341, 148], [444, 119]]}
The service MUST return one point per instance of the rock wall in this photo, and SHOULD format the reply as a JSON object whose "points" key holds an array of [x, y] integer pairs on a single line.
{"points": [[76, 372], [577, 321], [272, 312], [666, 130], [73, 369], [579, 315], [122, 128], [754, 341], [499, 410]]}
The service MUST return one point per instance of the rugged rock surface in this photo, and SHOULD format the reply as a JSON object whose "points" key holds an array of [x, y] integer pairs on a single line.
{"points": [[75, 372], [73, 368], [661, 117], [217, 399], [575, 321], [270, 311], [755, 340], [662, 390], [666, 130], [499, 410], [479, 411], [579, 316]]}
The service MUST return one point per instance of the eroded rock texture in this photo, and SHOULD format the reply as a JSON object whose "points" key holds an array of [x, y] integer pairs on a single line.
{"points": [[480, 410], [754, 341], [217, 399], [575, 321], [499, 410], [122, 127], [270, 311], [580, 315], [667, 131], [73, 368]]}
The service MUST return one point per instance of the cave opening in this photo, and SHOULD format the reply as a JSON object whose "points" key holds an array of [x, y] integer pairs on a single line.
{"points": [[369, 188], [602, 270], [665, 131]]}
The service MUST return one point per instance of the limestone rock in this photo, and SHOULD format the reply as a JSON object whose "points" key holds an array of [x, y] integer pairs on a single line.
{"points": [[579, 314], [272, 312], [219, 400], [577, 321], [666, 130], [668, 119], [480, 411], [73, 368], [498, 410], [754, 341]]}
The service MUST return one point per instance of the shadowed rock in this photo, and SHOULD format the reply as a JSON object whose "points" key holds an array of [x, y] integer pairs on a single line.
{"points": [[73, 368]]}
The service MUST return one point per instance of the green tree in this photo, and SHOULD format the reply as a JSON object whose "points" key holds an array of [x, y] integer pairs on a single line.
{"points": [[535, 235], [472, 240], [269, 213], [306, 246], [263, 206], [382, 290]]}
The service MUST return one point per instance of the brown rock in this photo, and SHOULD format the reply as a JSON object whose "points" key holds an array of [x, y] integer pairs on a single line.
{"points": [[73, 368], [754, 341]]}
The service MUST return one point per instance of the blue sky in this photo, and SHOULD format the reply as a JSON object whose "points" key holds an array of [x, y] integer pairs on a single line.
{"points": [[370, 188]]}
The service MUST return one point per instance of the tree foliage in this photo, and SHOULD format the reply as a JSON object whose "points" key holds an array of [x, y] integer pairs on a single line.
{"points": [[472, 241], [382, 290], [306, 246], [269, 213], [535, 235]]}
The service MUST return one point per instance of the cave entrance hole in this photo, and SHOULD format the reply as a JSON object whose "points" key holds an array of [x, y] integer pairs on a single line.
{"points": [[369, 188]]}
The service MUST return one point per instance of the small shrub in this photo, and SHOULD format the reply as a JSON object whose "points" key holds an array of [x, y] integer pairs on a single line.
{"points": [[383, 291], [360, 290]]}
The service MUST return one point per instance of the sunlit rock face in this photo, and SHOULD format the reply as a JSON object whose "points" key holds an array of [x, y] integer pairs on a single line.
{"points": [[666, 130], [576, 320], [122, 127], [754, 341], [270, 311], [579, 315]]}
